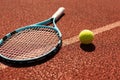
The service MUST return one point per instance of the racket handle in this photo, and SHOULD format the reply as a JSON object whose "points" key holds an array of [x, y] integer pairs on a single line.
{"points": [[58, 13]]}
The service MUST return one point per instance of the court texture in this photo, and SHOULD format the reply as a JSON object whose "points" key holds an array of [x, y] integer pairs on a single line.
{"points": [[98, 61]]}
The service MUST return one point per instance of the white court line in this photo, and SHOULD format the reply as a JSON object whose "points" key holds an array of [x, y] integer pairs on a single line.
{"points": [[74, 39]]}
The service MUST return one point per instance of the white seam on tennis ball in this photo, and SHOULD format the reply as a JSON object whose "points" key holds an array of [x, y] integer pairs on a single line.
{"points": [[74, 39]]}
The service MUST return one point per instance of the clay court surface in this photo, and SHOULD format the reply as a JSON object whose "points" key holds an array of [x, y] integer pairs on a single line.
{"points": [[98, 61]]}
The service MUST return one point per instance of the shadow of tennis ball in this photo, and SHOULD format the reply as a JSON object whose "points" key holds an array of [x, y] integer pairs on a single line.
{"points": [[87, 47]]}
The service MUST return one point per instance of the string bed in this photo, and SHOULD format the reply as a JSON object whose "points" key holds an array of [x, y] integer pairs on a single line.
{"points": [[29, 43]]}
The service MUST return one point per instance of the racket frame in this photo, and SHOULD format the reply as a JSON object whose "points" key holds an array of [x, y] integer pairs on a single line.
{"points": [[38, 25]]}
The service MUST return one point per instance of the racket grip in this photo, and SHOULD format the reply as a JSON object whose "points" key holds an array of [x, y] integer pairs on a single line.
{"points": [[58, 13]]}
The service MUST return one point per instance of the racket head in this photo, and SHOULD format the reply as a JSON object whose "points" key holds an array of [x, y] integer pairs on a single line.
{"points": [[11, 48]]}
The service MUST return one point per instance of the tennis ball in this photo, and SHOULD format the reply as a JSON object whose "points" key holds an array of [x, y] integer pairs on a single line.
{"points": [[86, 36]]}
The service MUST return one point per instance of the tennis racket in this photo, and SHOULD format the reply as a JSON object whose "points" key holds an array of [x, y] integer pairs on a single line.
{"points": [[34, 42]]}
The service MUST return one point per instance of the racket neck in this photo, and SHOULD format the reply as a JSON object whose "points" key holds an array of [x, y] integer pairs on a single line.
{"points": [[49, 21], [55, 26]]}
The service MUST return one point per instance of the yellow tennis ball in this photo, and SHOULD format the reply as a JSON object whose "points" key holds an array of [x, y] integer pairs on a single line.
{"points": [[86, 36]]}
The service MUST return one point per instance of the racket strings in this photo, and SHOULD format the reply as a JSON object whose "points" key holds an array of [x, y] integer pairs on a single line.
{"points": [[30, 43], [12, 45], [43, 44]]}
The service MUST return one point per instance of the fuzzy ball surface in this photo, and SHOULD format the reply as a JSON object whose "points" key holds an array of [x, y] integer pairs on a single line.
{"points": [[86, 36]]}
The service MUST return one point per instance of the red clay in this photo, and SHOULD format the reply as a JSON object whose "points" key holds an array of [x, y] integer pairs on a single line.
{"points": [[73, 62]]}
